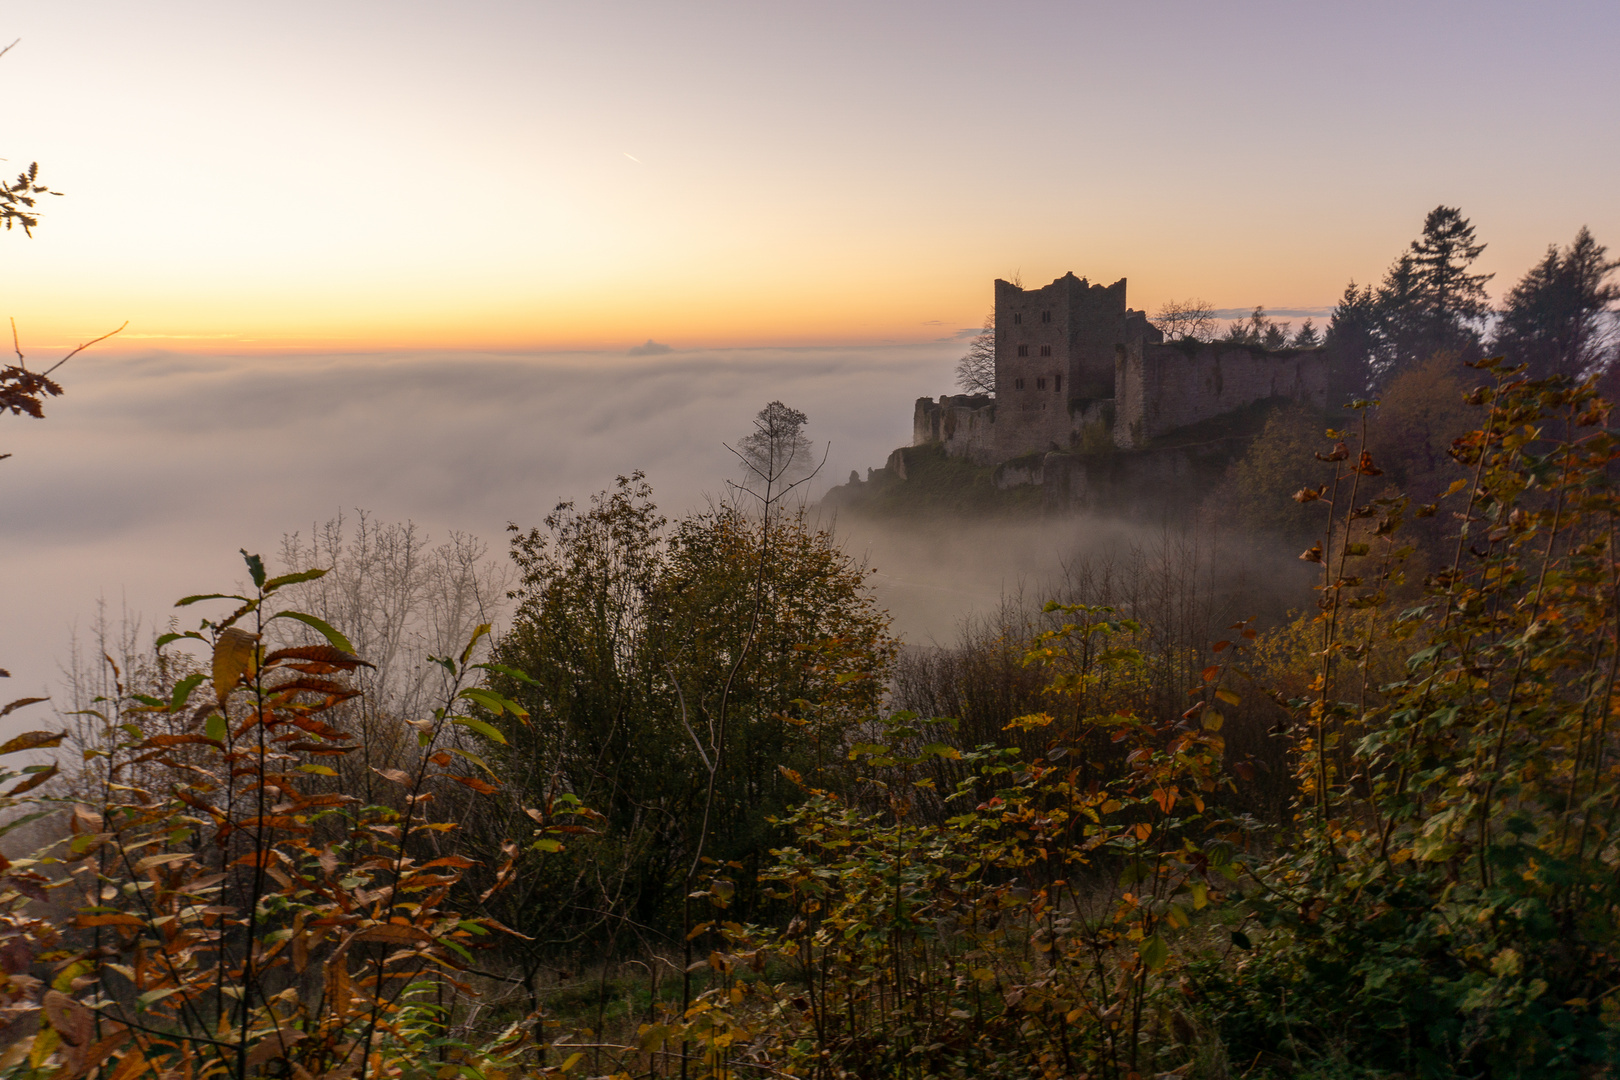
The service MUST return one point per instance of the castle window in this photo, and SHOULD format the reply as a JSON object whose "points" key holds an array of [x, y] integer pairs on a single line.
{"points": [[1046, 316], [1046, 350], [1023, 350], [1018, 318], [1040, 384], [1057, 382], [1018, 384]]}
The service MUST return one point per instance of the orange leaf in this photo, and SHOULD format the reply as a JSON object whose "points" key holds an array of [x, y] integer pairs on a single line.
{"points": [[394, 932]]}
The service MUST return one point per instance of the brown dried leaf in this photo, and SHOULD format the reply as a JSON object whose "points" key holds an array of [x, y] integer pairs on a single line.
{"points": [[393, 932], [81, 1062], [320, 654], [20, 702], [33, 740], [319, 748], [72, 1021], [34, 781], [274, 1046]]}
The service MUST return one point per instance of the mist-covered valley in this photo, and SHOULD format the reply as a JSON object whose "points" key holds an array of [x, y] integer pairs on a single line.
{"points": [[154, 469]]}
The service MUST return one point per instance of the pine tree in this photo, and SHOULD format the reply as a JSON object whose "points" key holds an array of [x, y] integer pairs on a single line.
{"points": [[1353, 339], [1450, 296], [1406, 328], [1557, 318], [1428, 303]]}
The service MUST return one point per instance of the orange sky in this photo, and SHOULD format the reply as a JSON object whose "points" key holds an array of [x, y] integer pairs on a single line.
{"points": [[515, 175]]}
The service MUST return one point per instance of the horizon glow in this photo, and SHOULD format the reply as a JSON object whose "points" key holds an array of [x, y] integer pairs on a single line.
{"points": [[519, 176]]}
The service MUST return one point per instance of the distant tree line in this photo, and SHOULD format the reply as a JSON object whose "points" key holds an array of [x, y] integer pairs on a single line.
{"points": [[1559, 319]]}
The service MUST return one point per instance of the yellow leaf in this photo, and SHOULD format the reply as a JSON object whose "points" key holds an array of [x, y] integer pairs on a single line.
{"points": [[44, 1044], [1227, 696], [233, 658]]}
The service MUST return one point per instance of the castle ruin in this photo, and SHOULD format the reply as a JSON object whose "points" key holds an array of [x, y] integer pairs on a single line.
{"points": [[1078, 371]]}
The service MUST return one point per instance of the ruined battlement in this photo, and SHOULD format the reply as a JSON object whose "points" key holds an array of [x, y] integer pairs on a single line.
{"points": [[1162, 388], [1077, 370], [963, 423]]}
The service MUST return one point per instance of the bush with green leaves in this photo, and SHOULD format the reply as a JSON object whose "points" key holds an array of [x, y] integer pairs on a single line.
{"points": [[1449, 903]]}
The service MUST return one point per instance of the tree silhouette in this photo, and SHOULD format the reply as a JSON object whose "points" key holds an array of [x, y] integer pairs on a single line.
{"points": [[976, 371], [1557, 318]]}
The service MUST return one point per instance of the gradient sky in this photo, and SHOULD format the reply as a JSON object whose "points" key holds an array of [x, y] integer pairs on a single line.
{"points": [[536, 175]]}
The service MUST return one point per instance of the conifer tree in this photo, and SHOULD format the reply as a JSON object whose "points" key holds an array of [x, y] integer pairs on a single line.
{"points": [[1428, 303], [1451, 299], [1558, 318]]}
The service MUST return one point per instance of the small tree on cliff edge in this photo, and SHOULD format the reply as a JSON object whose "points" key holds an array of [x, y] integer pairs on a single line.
{"points": [[976, 371], [1186, 320]]}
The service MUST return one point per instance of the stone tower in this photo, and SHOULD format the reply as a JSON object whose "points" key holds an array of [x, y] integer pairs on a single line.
{"points": [[1055, 353]]}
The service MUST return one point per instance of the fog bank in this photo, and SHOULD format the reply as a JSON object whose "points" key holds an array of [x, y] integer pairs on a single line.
{"points": [[152, 470]]}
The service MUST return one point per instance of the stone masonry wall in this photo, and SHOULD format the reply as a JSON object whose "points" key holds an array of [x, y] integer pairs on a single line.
{"points": [[1054, 353], [1160, 388], [964, 423]]}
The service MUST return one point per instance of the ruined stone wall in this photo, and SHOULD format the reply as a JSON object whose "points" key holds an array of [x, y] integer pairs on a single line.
{"points": [[1055, 352], [963, 423], [1161, 388]]}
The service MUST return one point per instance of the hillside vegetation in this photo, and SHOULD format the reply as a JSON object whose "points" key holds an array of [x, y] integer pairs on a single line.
{"points": [[1376, 841]]}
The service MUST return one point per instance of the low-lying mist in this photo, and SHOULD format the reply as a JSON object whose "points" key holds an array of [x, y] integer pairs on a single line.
{"points": [[146, 478], [932, 575], [149, 474]]}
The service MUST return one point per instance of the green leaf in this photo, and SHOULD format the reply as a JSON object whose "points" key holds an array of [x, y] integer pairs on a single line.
{"points": [[152, 997], [216, 728], [466, 654], [292, 579], [492, 701], [509, 672], [187, 601], [183, 689], [164, 639], [338, 640], [486, 730], [255, 567], [478, 761], [1154, 952]]}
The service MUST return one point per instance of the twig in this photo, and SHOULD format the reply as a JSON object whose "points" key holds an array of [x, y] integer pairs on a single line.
{"points": [[75, 352]]}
